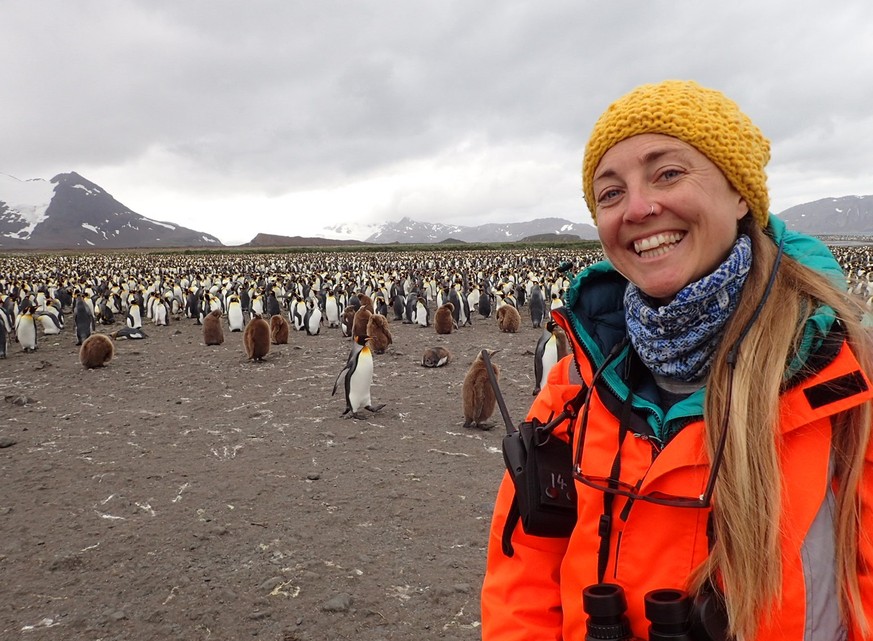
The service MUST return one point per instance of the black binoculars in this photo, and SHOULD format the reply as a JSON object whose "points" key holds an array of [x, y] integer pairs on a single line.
{"points": [[672, 614]]}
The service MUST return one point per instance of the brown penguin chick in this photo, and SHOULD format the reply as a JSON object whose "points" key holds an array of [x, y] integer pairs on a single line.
{"points": [[367, 302], [279, 330], [256, 339], [508, 319], [443, 321], [435, 357], [213, 334], [348, 320], [359, 324], [478, 394], [380, 335], [96, 351]]}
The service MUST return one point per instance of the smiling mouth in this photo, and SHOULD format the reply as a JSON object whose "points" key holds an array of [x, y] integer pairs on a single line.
{"points": [[657, 245]]}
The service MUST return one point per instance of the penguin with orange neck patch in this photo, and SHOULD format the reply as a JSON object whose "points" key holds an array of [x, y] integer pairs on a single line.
{"points": [[357, 377]]}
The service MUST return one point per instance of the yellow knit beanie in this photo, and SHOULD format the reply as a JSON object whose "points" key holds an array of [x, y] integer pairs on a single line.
{"points": [[704, 118]]}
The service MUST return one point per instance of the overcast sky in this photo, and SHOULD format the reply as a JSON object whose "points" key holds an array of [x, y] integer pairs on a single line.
{"points": [[285, 116]]}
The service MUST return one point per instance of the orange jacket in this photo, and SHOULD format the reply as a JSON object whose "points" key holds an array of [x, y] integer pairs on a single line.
{"points": [[535, 594]]}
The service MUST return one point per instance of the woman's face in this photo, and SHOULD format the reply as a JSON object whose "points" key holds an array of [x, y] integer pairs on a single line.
{"points": [[694, 223]]}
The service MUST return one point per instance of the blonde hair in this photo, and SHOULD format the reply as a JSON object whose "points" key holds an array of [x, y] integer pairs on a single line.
{"points": [[746, 557]]}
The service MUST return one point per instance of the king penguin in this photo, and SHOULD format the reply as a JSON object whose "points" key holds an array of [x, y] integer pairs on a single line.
{"points": [[478, 394], [443, 320], [235, 318], [435, 357], [257, 339], [508, 319], [537, 305], [332, 310], [4, 332], [96, 351], [357, 376], [312, 318], [25, 329], [551, 347], [50, 324], [280, 329], [212, 332], [421, 313], [134, 318]]}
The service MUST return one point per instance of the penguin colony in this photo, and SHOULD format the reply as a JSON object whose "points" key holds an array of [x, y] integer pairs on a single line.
{"points": [[130, 296]]}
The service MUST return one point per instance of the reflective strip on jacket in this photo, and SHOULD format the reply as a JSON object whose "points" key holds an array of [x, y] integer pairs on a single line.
{"points": [[536, 594]]}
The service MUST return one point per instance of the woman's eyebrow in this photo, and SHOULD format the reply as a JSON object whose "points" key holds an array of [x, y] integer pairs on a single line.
{"points": [[647, 158]]}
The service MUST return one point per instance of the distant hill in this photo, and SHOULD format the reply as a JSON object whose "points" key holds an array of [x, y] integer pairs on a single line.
{"points": [[70, 212], [274, 240], [409, 231], [845, 216]]}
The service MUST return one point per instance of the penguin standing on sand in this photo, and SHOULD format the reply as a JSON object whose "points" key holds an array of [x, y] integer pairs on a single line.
{"points": [[551, 347], [478, 394], [508, 319], [411, 305], [398, 304], [160, 311], [357, 376], [443, 320], [421, 313], [25, 329], [537, 305], [272, 304], [359, 322], [332, 310], [380, 335], [280, 330], [257, 339], [212, 332], [312, 318], [134, 318], [4, 333], [348, 321], [485, 307], [235, 318], [96, 351]]}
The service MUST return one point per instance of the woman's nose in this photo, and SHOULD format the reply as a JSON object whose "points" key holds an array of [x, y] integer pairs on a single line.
{"points": [[639, 208]]}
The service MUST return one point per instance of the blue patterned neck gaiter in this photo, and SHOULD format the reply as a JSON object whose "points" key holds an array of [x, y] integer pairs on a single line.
{"points": [[679, 339]]}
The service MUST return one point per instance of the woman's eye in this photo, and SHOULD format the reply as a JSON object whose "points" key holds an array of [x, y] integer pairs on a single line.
{"points": [[670, 174], [608, 195]]}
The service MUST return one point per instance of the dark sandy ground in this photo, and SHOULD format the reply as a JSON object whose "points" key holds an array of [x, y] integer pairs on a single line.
{"points": [[186, 493]]}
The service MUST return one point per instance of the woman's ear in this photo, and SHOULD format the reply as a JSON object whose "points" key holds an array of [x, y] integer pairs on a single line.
{"points": [[742, 208]]}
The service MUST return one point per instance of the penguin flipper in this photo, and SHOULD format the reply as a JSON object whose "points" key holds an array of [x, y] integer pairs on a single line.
{"points": [[339, 377]]}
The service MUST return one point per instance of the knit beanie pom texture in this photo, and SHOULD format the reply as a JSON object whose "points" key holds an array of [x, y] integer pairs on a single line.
{"points": [[704, 118]]}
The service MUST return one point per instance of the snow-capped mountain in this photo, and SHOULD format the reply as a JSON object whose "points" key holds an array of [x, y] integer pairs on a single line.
{"points": [[70, 212], [845, 216], [351, 231], [407, 230]]}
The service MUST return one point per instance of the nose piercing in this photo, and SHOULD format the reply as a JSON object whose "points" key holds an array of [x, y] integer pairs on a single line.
{"points": [[652, 210]]}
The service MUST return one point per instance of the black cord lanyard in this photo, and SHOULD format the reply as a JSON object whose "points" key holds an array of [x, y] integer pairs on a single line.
{"points": [[604, 528]]}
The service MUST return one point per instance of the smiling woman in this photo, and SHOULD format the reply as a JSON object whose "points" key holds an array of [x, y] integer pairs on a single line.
{"points": [[711, 334]]}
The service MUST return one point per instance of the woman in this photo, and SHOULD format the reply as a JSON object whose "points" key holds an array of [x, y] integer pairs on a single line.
{"points": [[711, 334]]}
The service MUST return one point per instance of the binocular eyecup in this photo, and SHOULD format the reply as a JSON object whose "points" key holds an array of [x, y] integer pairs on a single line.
{"points": [[673, 615]]}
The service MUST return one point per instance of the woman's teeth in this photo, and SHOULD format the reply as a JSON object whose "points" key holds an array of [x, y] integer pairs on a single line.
{"points": [[658, 244]]}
